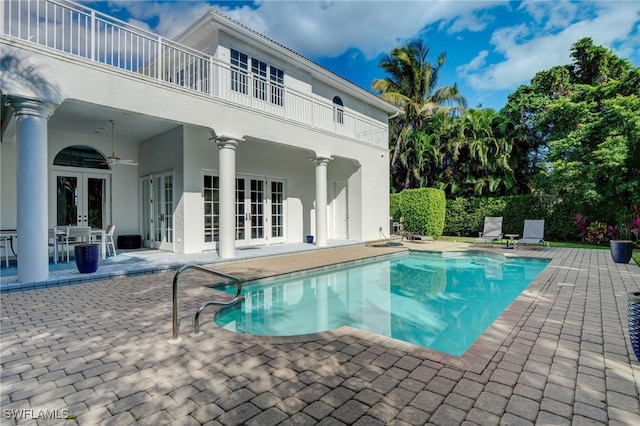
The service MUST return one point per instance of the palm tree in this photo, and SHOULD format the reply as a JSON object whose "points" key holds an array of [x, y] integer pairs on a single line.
{"points": [[411, 85], [483, 147]]}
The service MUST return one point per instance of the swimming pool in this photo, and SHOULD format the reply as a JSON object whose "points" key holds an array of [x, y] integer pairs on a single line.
{"points": [[443, 302]]}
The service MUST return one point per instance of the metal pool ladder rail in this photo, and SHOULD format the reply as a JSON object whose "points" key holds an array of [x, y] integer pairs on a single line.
{"points": [[196, 317]]}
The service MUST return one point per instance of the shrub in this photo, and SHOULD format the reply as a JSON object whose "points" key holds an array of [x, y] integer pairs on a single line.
{"points": [[423, 210], [597, 233], [465, 216], [394, 207]]}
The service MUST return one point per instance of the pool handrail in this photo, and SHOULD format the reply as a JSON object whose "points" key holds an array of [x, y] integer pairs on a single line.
{"points": [[196, 321]]}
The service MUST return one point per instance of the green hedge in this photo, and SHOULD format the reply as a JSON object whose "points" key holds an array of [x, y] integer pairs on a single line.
{"points": [[394, 207], [423, 210], [465, 216]]}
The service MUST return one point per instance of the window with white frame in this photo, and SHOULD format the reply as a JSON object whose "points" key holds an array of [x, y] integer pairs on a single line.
{"points": [[268, 81], [259, 71], [239, 71], [277, 86], [338, 110]]}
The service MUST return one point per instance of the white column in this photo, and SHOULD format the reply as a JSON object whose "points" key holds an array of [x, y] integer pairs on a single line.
{"points": [[227, 166], [31, 183], [321, 200]]}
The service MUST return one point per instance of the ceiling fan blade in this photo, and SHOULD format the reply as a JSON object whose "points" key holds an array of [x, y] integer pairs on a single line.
{"points": [[115, 160], [111, 160], [127, 162], [97, 160]]}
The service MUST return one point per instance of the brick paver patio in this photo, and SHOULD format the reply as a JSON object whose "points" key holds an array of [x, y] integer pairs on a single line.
{"points": [[98, 354]]}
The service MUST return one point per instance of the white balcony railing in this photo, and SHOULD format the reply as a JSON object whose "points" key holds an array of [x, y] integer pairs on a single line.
{"points": [[77, 30]]}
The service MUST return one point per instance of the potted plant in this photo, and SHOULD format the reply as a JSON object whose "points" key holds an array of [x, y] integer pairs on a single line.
{"points": [[87, 257], [621, 243], [621, 250]]}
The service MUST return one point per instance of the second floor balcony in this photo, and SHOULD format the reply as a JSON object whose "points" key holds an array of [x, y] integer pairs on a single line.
{"points": [[89, 35]]}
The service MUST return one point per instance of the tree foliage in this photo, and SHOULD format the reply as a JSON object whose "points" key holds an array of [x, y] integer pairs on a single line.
{"points": [[438, 142], [572, 134], [586, 116], [411, 84]]}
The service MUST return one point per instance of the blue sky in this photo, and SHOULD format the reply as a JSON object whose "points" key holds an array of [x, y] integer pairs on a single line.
{"points": [[492, 46]]}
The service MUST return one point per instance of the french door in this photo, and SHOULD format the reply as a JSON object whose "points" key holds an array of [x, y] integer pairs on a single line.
{"points": [[259, 211], [157, 211], [82, 199]]}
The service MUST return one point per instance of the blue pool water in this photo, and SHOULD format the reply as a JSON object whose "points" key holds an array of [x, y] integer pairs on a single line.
{"points": [[440, 302]]}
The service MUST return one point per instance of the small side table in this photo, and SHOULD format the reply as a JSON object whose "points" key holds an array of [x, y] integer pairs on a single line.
{"points": [[511, 238]]}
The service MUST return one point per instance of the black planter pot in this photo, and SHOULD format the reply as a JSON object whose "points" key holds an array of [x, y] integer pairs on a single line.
{"points": [[634, 322], [621, 250], [87, 257]]}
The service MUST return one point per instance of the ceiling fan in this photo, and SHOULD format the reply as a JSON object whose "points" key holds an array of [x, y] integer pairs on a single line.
{"points": [[113, 159]]}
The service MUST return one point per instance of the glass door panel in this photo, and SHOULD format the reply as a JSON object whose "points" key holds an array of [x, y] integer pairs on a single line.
{"points": [[257, 209], [82, 199], [158, 211], [146, 191], [241, 211], [67, 200], [276, 199], [211, 197], [96, 200], [167, 213]]}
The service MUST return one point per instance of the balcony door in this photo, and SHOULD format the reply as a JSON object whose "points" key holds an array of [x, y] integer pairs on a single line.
{"points": [[156, 194], [82, 199]]}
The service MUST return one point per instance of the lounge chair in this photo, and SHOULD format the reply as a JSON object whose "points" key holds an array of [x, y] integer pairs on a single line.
{"points": [[419, 238], [492, 230], [533, 233]]}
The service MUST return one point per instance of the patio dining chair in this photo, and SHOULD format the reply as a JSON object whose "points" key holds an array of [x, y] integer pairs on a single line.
{"points": [[74, 236], [108, 240], [54, 243]]}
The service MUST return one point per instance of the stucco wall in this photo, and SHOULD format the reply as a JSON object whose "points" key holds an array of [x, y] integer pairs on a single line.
{"points": [[273, 147]]}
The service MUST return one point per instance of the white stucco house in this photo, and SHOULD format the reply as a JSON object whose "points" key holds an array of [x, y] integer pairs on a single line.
{"points": [[233, 140]]}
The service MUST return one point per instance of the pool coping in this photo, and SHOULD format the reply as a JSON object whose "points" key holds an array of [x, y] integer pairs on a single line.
{"points": [[475, 359]]}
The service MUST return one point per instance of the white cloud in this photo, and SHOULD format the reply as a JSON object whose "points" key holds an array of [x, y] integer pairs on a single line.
{"points": [[171, 18], [474, 21], [553, 15], [535, 35], [476, 63], [328, 29], [324, 28], [527, 49]]}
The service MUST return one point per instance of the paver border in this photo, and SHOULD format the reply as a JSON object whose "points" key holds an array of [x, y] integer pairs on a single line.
{"points": [[475, 359]]}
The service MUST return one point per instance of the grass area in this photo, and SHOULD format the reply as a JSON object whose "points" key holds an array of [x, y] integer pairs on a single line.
{"points": [[636, 253], [551, 243]]}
